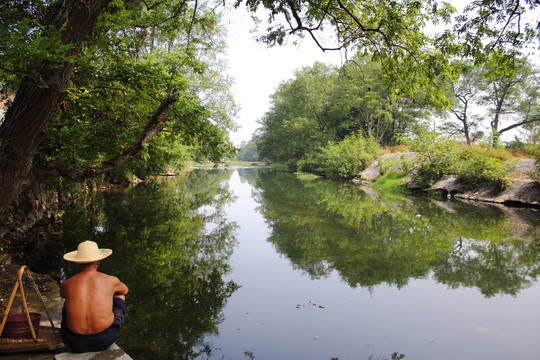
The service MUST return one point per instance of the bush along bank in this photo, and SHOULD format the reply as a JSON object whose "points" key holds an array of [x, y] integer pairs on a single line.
{"points": [[474, 173]]}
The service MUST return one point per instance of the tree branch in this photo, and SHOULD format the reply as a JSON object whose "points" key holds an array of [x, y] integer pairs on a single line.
{"points": [[527, 121], [80, 173]]}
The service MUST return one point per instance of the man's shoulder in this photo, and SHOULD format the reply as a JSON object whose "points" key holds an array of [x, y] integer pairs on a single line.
{"points": [[106, 277]]}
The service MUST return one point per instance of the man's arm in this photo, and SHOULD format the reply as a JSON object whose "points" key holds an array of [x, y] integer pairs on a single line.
{"points": [[119, 287], [62, 290]]}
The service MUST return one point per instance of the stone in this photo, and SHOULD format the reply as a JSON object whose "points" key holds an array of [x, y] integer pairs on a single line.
{"points": [[373, 171], [112, 353]]}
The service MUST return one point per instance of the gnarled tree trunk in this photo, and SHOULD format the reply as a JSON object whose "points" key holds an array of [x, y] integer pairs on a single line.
{"points": [[27, 119]]}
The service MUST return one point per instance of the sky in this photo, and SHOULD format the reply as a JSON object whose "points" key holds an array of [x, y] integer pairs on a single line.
{"points": [[258, 70]]}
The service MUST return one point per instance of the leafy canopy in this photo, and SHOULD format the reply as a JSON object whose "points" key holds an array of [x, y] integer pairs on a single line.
{"points": [[138, 54]]}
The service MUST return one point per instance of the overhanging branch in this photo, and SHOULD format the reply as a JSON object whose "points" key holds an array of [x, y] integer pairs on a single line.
{"points": [[80, 173]]}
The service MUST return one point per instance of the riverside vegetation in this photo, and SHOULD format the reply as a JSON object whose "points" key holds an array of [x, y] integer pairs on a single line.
{"points": [[436, 157]]}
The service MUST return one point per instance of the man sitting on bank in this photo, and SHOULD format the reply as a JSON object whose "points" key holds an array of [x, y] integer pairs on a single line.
{"points": [[95, 302]]}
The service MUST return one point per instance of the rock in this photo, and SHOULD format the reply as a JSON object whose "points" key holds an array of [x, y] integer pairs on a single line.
{"points": [[112, 353], [373, 171], [524, 168], [522, 189], [449, 183]]}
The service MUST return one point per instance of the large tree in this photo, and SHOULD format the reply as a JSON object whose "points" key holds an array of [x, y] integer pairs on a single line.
{"points": [[297, 121], [464, 95], [511, 97], [96, 80]]}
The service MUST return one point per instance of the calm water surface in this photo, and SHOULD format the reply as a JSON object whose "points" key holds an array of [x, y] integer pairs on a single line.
{"points": [[260, 264]]}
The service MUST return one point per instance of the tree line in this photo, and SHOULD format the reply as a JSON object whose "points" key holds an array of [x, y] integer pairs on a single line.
{"points": [[96, 80], [316, 115]]}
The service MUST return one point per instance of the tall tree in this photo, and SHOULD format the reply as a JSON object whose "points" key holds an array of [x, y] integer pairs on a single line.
{"points": [[368, 104], [511, 96], [37, 96], [134, 69], [297, 121], [464, 94]]}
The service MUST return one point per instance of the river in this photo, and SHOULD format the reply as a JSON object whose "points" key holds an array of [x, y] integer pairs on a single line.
{"points": [[261, 264]]}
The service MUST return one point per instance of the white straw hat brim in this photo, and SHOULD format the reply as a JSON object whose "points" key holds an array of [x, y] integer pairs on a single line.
{"points": [[75, 257]]}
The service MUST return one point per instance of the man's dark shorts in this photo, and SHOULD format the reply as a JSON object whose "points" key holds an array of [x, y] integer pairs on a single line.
{"points": [[94, 342]]}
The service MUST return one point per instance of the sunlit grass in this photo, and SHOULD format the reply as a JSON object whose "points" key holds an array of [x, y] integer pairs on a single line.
{"points": [[391, 182], [306, 176]]}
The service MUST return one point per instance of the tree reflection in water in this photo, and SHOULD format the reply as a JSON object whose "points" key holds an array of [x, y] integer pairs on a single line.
{"points": [[171, 244], [322, 226]]}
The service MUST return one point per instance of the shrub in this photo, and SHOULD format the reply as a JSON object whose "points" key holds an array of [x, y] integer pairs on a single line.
{"points": [[440, 156], [437, 156], [343, 160], [313, 162], [475, 167]]}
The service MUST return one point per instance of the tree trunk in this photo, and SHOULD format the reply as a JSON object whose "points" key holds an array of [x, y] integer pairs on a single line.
{"points": [[27, 118]]}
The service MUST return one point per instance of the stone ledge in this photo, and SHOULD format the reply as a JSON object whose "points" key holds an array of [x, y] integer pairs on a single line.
{"points": [[112, 353]]}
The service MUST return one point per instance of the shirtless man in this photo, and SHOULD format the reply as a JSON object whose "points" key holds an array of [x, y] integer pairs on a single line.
{"points": [[95, 302]]}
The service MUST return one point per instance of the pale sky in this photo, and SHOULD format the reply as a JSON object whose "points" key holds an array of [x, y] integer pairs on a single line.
{"points": [[258, 70]]}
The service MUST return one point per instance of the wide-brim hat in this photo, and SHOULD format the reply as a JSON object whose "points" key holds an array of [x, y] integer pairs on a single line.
{"points": [[87, 252]]}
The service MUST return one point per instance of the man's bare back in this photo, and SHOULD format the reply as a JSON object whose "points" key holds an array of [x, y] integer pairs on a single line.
{"points": [[89, 299]]}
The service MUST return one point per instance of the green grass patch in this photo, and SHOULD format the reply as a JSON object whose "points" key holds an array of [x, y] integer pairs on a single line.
{"points": [[392, 182], [306, 176]]}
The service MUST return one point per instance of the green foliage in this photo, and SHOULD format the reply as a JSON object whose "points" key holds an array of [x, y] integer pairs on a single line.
{"points": [[27, 40], [488, 27], [475, 167], [138, 55], [344, 160], [321, 105], [391, 33], [296, 123], [440, 156], [437, 157]]}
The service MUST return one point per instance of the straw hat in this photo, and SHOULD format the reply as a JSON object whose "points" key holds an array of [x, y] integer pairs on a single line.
{"points": [[87, 252]]}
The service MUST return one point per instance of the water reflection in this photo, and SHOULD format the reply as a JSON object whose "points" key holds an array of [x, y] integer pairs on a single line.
{"points": [[323, 226], [171, 244]]}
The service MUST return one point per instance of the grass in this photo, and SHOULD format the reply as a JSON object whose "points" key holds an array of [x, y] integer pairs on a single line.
{"points": [[391, 181], [306, 176]]}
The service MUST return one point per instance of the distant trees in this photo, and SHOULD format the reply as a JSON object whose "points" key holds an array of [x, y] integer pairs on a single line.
{"points": [[248, 151], [323, 104], [509, 99]]}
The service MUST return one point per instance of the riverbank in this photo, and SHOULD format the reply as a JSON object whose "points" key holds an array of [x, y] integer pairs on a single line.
{"points": [[523, 189]]}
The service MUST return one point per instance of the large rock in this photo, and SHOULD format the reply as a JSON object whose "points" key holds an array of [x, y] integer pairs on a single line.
{"points": [[520, 191], [373, 171]]}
